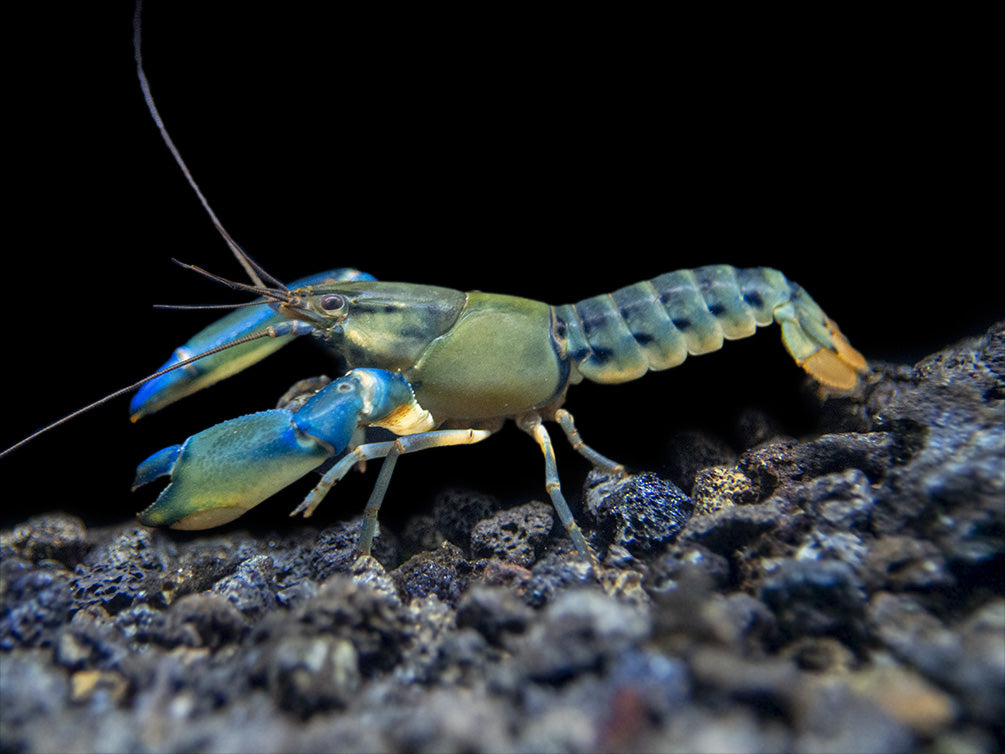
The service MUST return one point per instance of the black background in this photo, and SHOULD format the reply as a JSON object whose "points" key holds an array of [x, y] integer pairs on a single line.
{"points": [[554, 157]]}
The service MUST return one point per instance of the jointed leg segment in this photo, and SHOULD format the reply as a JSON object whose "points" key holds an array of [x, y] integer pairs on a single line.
{"points": [[599, 462], [531, 423], [389, 451]]}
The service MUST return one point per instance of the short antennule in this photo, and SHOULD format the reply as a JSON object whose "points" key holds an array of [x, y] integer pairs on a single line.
{"points": [[276, 294]]}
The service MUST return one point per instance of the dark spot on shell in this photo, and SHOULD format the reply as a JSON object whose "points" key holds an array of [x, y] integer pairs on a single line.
{"points": [[681, 324], [602, 354]]}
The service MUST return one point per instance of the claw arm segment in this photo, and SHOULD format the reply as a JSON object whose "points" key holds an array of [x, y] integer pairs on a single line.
{"points": [[222, 472], [212, 356], [175, 385], [814, 341]]}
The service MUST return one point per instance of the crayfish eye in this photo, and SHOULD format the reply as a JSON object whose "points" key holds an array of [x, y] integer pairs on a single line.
{"points": [[332, 302]]}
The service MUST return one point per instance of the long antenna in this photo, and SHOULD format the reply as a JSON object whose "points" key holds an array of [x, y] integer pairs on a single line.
{"points": [[252, 268], [271, 332]]}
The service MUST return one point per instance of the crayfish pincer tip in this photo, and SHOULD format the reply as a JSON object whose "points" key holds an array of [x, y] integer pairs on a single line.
{"points": [[157, 465]]}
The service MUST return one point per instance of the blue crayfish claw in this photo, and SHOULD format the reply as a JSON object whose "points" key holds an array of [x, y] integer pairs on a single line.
{"points": [[224, 471], [175, 385]]}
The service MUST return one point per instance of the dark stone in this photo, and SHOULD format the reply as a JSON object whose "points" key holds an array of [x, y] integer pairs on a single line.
{"points": [[55, 536], [199, 620], [132, 567], [442, 572], [843, 500], [900, 563], [312, 674], [456, 512], [252, 587], [640, 512], [36, 604], [580, 631], [730, 530], [374, 621], [690, 560], [815, 598], [515, 535], [334, 550], [778, 465], [493, 612], [551, 576]]}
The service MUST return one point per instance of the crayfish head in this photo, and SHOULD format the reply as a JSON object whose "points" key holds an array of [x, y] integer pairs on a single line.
{"points": [[377, 324]]}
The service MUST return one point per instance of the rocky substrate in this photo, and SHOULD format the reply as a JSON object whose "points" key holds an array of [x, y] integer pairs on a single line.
{"points": [[841, 593]]}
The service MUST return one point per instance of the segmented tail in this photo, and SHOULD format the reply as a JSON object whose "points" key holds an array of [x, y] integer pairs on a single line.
{"points": [[656, 324]]}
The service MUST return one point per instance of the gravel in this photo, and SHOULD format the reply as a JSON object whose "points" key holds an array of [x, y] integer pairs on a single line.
{"points": [[841, 592]]}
